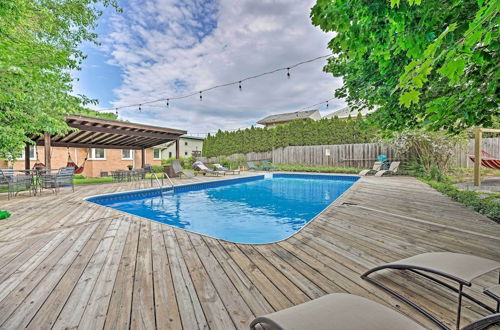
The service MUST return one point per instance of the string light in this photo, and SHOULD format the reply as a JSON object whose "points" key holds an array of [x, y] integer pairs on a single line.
{"points": [[239, 128], [201, 97], [116, 111], [238, 82], [168, 103]]}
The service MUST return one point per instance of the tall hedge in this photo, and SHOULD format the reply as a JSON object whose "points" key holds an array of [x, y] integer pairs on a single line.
{"points": [[296, 133]]}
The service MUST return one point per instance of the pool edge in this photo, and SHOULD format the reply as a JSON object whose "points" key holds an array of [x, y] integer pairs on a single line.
{"points": [[336, 202]]}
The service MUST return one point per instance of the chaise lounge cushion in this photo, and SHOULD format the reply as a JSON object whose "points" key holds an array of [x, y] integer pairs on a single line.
{"points": [[463, 266], [338, 311]]}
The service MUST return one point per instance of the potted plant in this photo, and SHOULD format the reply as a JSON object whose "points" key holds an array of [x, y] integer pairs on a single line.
{"points": [[130, 167]]}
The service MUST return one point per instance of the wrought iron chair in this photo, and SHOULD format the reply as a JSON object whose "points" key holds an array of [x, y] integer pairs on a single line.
{"points": [[63, 177]]}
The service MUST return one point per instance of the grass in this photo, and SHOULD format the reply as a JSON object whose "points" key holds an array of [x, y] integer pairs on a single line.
{"points": [[93, 180], [315, 168]]}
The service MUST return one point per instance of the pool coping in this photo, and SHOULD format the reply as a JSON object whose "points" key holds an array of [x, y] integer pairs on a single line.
{"points": [[336, 202]]}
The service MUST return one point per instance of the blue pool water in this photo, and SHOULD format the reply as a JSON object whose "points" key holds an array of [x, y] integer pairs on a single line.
{"points": [[245, 210]]}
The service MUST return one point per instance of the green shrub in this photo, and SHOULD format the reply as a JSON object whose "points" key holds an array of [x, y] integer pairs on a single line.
{"points": [[296, 133], [488, 207], [185, 162], [157, 168], [225, 162], [79, 176]]}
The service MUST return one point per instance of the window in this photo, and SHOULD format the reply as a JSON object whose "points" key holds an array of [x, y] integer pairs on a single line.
{"points": [[97, 154], [185, 143], [156, 154], [170, 154], [127, 154], [185, 153], [32, 154]]}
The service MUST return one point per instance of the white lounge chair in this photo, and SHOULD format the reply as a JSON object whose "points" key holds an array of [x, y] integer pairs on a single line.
{"points": [[393, 168], [221, 168], [376, 167], [342, 311], [457, 267]]}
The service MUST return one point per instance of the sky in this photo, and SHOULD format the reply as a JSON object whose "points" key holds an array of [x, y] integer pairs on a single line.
{"points": [[166, 48]]}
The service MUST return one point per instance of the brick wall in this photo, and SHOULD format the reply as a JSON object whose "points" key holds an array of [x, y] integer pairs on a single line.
{"points": [[93, 168]]}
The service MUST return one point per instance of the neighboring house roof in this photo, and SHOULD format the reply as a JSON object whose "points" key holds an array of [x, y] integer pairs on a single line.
{"points": [[192, 137], [346, 112], [285, 117]]}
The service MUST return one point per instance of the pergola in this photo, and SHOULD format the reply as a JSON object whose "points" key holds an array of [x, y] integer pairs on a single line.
{"points": [[105, 133]]}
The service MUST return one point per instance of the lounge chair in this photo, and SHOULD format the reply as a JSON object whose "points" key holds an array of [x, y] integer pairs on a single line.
{"points": [[460, 268], [376, 167], [342, 311], [221, 168], [267, 166], [252, 166], [178, 170], [63, 177], [393, 168], [494, 293], [15, 183], [199, 166]]}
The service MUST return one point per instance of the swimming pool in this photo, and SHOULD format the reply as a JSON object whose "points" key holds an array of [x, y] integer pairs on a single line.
{"points": [[257, 209]]}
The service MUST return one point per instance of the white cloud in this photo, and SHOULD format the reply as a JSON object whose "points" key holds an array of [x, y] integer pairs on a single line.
{"points": [[169, 48]]}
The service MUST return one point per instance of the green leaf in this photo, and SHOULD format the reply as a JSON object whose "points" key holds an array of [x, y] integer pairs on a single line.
{"points": [[408, 98]]}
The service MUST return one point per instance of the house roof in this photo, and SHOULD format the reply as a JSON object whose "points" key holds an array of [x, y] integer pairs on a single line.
{"points": [[346, 112], [110, 134], [191, 137], [284, 117]]}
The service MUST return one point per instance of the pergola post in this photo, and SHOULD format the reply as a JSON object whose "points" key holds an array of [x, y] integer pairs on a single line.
{"points": [[46, 148], [143, 158], [478, 136], [177, 151], [27, 164]]}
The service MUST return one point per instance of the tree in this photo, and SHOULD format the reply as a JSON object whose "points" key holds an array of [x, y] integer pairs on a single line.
{"points": [[430, 63], [38, 50]]}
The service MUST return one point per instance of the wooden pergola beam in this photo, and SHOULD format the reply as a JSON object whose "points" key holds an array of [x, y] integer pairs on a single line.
{"points": [[126, 132], [90, 145]]}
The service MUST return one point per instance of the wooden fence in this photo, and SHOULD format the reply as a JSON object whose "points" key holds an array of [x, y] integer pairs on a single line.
{"points": [[349, 155]]}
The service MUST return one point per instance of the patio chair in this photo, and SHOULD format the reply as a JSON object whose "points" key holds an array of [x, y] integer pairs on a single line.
{"points": [[267, 166], [376, 167], [393, 168], [63, 177], [199, 166], [15, 183], [221, 168], [178, 170], [460, 268], [343, 311], [252, 166]]}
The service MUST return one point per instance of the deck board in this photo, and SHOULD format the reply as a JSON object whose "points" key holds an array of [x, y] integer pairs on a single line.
{"points": [[67, 263]]}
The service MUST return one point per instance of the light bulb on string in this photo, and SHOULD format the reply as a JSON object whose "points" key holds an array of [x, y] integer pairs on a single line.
{"points": [[201, 97], [140, 109], [288, 73], [116, 111], [239, 85], [327, 104], [168, 103]]}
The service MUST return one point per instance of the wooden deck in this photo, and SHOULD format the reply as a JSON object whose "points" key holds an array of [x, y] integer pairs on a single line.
{"points": [[67, 263]]}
